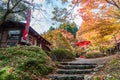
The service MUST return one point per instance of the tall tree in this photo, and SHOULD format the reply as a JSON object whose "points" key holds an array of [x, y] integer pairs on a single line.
{"points": [[12, 8], [59, 39], [100, 33], [98, 8], [70, 27], [51, 29]]}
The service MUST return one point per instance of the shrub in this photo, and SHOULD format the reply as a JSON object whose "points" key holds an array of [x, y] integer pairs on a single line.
{"points": [[26, 60], [7, 73], [94, 55], [62, 54], [79, 51]]}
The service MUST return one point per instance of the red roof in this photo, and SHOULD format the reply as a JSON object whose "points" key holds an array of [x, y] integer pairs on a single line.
{"points": [[83, 43]]}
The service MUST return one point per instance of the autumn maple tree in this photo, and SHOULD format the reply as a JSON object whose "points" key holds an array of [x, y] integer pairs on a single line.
{"points": [[59, 39], [100, 22]]}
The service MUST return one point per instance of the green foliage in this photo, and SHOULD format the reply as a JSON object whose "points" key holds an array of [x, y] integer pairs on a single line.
{"points": [[113, 69], [51, 28], [100, 77], [94, 55], [70, 27], [114, 62], [12, 10], [26, 60], [62, 54], [7, 73], [96, 78], [1, 13], [111, 78]]}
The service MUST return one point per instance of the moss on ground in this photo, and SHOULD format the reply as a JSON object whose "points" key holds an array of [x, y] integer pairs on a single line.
{"points": [[26, 62]]}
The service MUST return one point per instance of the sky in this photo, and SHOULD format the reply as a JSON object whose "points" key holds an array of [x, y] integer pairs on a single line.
{"points": [[41, 19]]}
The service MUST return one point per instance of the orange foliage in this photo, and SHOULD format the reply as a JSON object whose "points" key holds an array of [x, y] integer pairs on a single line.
{"points": [[100, 21], [94, 8]]}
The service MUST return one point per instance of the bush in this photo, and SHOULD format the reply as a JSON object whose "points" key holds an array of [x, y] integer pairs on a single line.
{"points": [[7, 73], [94, 55], [26, 60], [62, 54], [79, 51]]}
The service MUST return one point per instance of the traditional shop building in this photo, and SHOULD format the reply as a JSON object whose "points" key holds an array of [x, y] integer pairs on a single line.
{"points": [[11, 34]]}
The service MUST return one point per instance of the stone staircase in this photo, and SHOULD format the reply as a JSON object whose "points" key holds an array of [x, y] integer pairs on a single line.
{"points": [[73, 71]]}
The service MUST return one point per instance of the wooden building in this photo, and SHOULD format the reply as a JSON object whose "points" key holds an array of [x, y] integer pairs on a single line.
{"points": [[11, 34]]}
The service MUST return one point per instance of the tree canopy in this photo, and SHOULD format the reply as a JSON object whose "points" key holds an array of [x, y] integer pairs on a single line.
{"points": [[70, 27], [12, 9], [100, 21]]}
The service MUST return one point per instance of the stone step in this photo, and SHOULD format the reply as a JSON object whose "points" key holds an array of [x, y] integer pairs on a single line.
{"points": [[76, 66], [74, 71], [66, 77], [70, 63]]}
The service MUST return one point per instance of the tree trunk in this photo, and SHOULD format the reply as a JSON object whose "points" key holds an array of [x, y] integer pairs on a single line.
{"points": [[117, 46], [4, 17]]}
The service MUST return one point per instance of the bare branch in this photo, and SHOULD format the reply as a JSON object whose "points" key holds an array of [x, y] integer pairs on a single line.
{"points": [[18, 11], [118, 1], [16, 4], [8, 4], [113, 3], [12, 2], [27, 2]]}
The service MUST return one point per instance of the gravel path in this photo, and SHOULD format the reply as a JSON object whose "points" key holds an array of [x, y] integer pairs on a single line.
{"points": [[95, 60]]}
